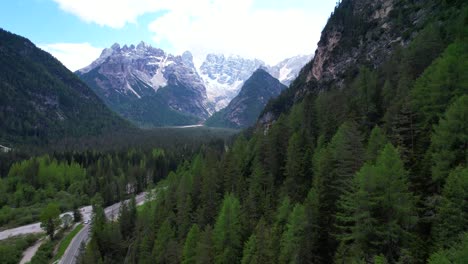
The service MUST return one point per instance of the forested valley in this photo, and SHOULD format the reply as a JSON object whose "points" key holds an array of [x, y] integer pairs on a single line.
{"points": [[373, 170]]}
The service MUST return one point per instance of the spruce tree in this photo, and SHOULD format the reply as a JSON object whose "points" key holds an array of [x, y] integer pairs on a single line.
{"points": [[292, 237], [377, 215], [450, 140], [452, 211], [227, 232], [189, 252]]}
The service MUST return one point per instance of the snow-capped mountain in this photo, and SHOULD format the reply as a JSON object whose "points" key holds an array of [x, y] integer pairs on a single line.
{"points": [[224, 76], [148, 85], [153, 88], [287, 70], [244, 109]]}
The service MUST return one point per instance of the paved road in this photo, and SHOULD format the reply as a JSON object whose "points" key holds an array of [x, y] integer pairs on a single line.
{"points": [[36, 227], [112, 212]]}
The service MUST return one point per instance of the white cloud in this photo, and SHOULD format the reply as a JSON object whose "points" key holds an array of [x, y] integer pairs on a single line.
{"points": [[112, 13], [239, 28], [73, 55], [267, 29]]}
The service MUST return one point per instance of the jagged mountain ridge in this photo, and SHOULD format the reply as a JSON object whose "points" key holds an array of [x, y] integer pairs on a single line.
{"points": [[244, 109], [225, 75], [148, 85]]}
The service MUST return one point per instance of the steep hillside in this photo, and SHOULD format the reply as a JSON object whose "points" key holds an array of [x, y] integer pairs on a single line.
{"points": [[244, 109], [41, 100], [362, 160], [225, 75], [362, 33]]}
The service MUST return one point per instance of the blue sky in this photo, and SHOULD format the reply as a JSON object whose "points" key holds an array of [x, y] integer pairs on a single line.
{"points": [[75, 31]]}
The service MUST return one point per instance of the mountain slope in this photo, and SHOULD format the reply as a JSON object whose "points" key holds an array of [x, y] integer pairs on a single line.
{"points": [[244, 109], [287, 70], [359, 33], [40, 99], [148, 86], [225, 75]]}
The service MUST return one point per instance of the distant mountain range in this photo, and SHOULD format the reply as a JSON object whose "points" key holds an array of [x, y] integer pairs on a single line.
{"points": [[41, 100], [153, 88]]}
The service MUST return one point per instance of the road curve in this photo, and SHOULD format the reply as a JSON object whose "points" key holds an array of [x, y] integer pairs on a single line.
{"points": [[112, 212]]}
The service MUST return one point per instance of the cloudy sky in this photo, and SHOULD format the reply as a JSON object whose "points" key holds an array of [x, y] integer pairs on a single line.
{"points": [[76, 31]]}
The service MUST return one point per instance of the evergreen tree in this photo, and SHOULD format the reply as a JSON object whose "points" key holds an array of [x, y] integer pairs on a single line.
{"points": [[377, 215], [227, 232], [377, 141], [162, 243], [295, 183], [190, 247], [450, 140], [334, 168], [452, 212], [293, 236], [205, 250], [279, 227], [309, 247], [249, 251]]}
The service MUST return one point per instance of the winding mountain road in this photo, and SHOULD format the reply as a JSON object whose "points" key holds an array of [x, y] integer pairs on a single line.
{"points": [[112, 212], [69, 257]]}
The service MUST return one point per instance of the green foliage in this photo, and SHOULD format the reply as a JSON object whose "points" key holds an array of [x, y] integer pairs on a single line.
{"points": [[377, 141], [50, 219], [457, 254], [11, 249], [227, 232], [378, 214], [452, 210], [450, 140], [292, 236], [190, 246], [41, 100]]}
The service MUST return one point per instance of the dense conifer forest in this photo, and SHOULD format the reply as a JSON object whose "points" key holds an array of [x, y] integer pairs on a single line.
{"points": [[372, 171]]}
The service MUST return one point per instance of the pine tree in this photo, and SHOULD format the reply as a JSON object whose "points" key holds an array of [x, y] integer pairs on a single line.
{"points": [[161, 247], [205, 250], [377, 215], [377, 141], [227, 232], [190, 247], [279, 226], [334, 168], [309, 248], [293, 236], [452, 212], [249, 251], [450, 140], [295, 184]]}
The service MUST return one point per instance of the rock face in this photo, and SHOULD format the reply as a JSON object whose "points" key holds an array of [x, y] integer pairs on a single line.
{"points": [[41, 100], [359, 32], [244, 109], [153, 88], [149, 86], [224, 76]]}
